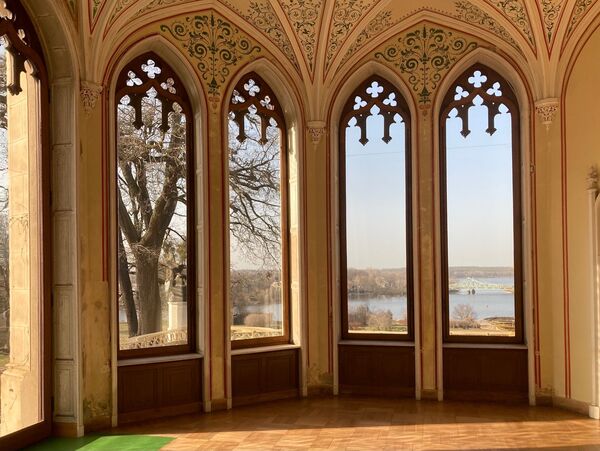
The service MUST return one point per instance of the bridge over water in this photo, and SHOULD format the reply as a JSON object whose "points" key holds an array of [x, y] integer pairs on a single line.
{"points": [[469, 283]]}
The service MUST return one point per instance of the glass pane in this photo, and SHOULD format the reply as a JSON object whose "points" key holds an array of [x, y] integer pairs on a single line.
{"points": [[21, 341], [152, 231], [256, 290], [480, 225], [376, 228]]}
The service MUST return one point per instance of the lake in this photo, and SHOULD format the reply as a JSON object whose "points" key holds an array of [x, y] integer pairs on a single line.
{"points": [[486, 303]]}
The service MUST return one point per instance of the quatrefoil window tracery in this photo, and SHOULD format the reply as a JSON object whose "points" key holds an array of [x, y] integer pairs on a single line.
{"points": [[169, 85], [265, 106], [21, 42], [134, 80], [486, 91], [477, 79], [151, 69], [5, 13], [375, 89], [375, 97], [148, 81], [252, 88]]}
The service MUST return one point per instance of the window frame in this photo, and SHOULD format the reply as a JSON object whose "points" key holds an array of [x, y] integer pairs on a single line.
{"points": [[348, 113], [31, 50], [278, 115], [181, 98], [509, 99]]}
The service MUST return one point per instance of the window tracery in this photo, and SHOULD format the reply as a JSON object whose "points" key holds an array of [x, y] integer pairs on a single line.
{"points": [[375, 214], [155, 179], [481, 209], [258, 216]]}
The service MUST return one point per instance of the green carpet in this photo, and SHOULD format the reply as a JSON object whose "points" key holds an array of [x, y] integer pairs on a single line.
{"points": [[103, 443]]}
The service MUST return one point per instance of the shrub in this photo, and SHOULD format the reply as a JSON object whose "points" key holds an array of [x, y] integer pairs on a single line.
{"points": [[358, 317], [381, 320], [258, 320], [464, 317]]}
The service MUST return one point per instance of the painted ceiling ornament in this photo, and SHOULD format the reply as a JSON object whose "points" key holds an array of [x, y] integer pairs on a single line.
{"points": [[515, 11], [155, 4], [551, 12], [215, 43], [264, 17], [424, 55], [579, 10], [119, 7], [381, 22], [468, 12], [73, 8], [304, 15], [316, 130], [95, 6], [346, 15], [546, 110], [90, 93]]}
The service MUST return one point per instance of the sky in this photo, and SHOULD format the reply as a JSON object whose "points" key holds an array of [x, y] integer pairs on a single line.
{"points": [[479, 174]]}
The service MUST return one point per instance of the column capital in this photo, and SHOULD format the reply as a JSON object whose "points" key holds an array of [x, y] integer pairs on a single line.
{"points": [[592, 179], [546, 109], [90, 93], [316, 129]]}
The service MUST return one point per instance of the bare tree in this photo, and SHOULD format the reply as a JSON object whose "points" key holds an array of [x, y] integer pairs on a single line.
{"points": [[464, 317], [255, 192], [151, 179]]}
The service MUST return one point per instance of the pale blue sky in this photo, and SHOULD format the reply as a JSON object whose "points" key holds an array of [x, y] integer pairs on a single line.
{"points": [[479, 195]]}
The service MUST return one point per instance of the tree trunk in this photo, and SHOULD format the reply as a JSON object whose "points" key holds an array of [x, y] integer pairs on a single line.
{"points": [[146, 262], [126, 289]]}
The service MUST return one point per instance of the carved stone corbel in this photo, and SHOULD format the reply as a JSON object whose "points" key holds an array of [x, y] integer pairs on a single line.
{"points": [[592, 179], [90, 93], [316, 130], [546, 109]]}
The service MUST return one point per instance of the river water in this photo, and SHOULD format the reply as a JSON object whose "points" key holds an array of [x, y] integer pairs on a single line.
{"points": [[486, 303]]}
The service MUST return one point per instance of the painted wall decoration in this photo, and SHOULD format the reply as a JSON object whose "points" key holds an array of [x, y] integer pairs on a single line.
{"points": [[380, 22], [262, 15], [346, 15], [119, 7], [215, 44], [95, 6], [155, 4], [72, 6], [304, 17], [423, 55], [579, 9], [516, 12], [551, 10], [471, 13]]}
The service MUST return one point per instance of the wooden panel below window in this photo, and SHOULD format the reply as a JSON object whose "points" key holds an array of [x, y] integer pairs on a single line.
{"points": [[264, 376], [159, 389], [377, 370], [485, 374]]}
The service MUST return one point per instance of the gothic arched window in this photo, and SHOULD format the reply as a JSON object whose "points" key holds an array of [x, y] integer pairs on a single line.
{"points": [[375, 214], [259, 288], [155, 210], [25, 238], [480, 183]]}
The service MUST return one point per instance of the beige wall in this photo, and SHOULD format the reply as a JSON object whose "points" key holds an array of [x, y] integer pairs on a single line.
{"points": [[581, 151], [554, 164]]}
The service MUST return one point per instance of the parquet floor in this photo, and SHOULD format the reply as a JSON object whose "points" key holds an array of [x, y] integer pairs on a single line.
{"points": [[377, 424]]}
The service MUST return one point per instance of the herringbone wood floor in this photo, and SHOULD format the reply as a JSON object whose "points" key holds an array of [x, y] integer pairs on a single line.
{"points": [[377, 424]]}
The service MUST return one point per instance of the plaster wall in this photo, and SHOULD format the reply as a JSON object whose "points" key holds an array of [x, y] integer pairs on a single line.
{"points": [[581, 151]]}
